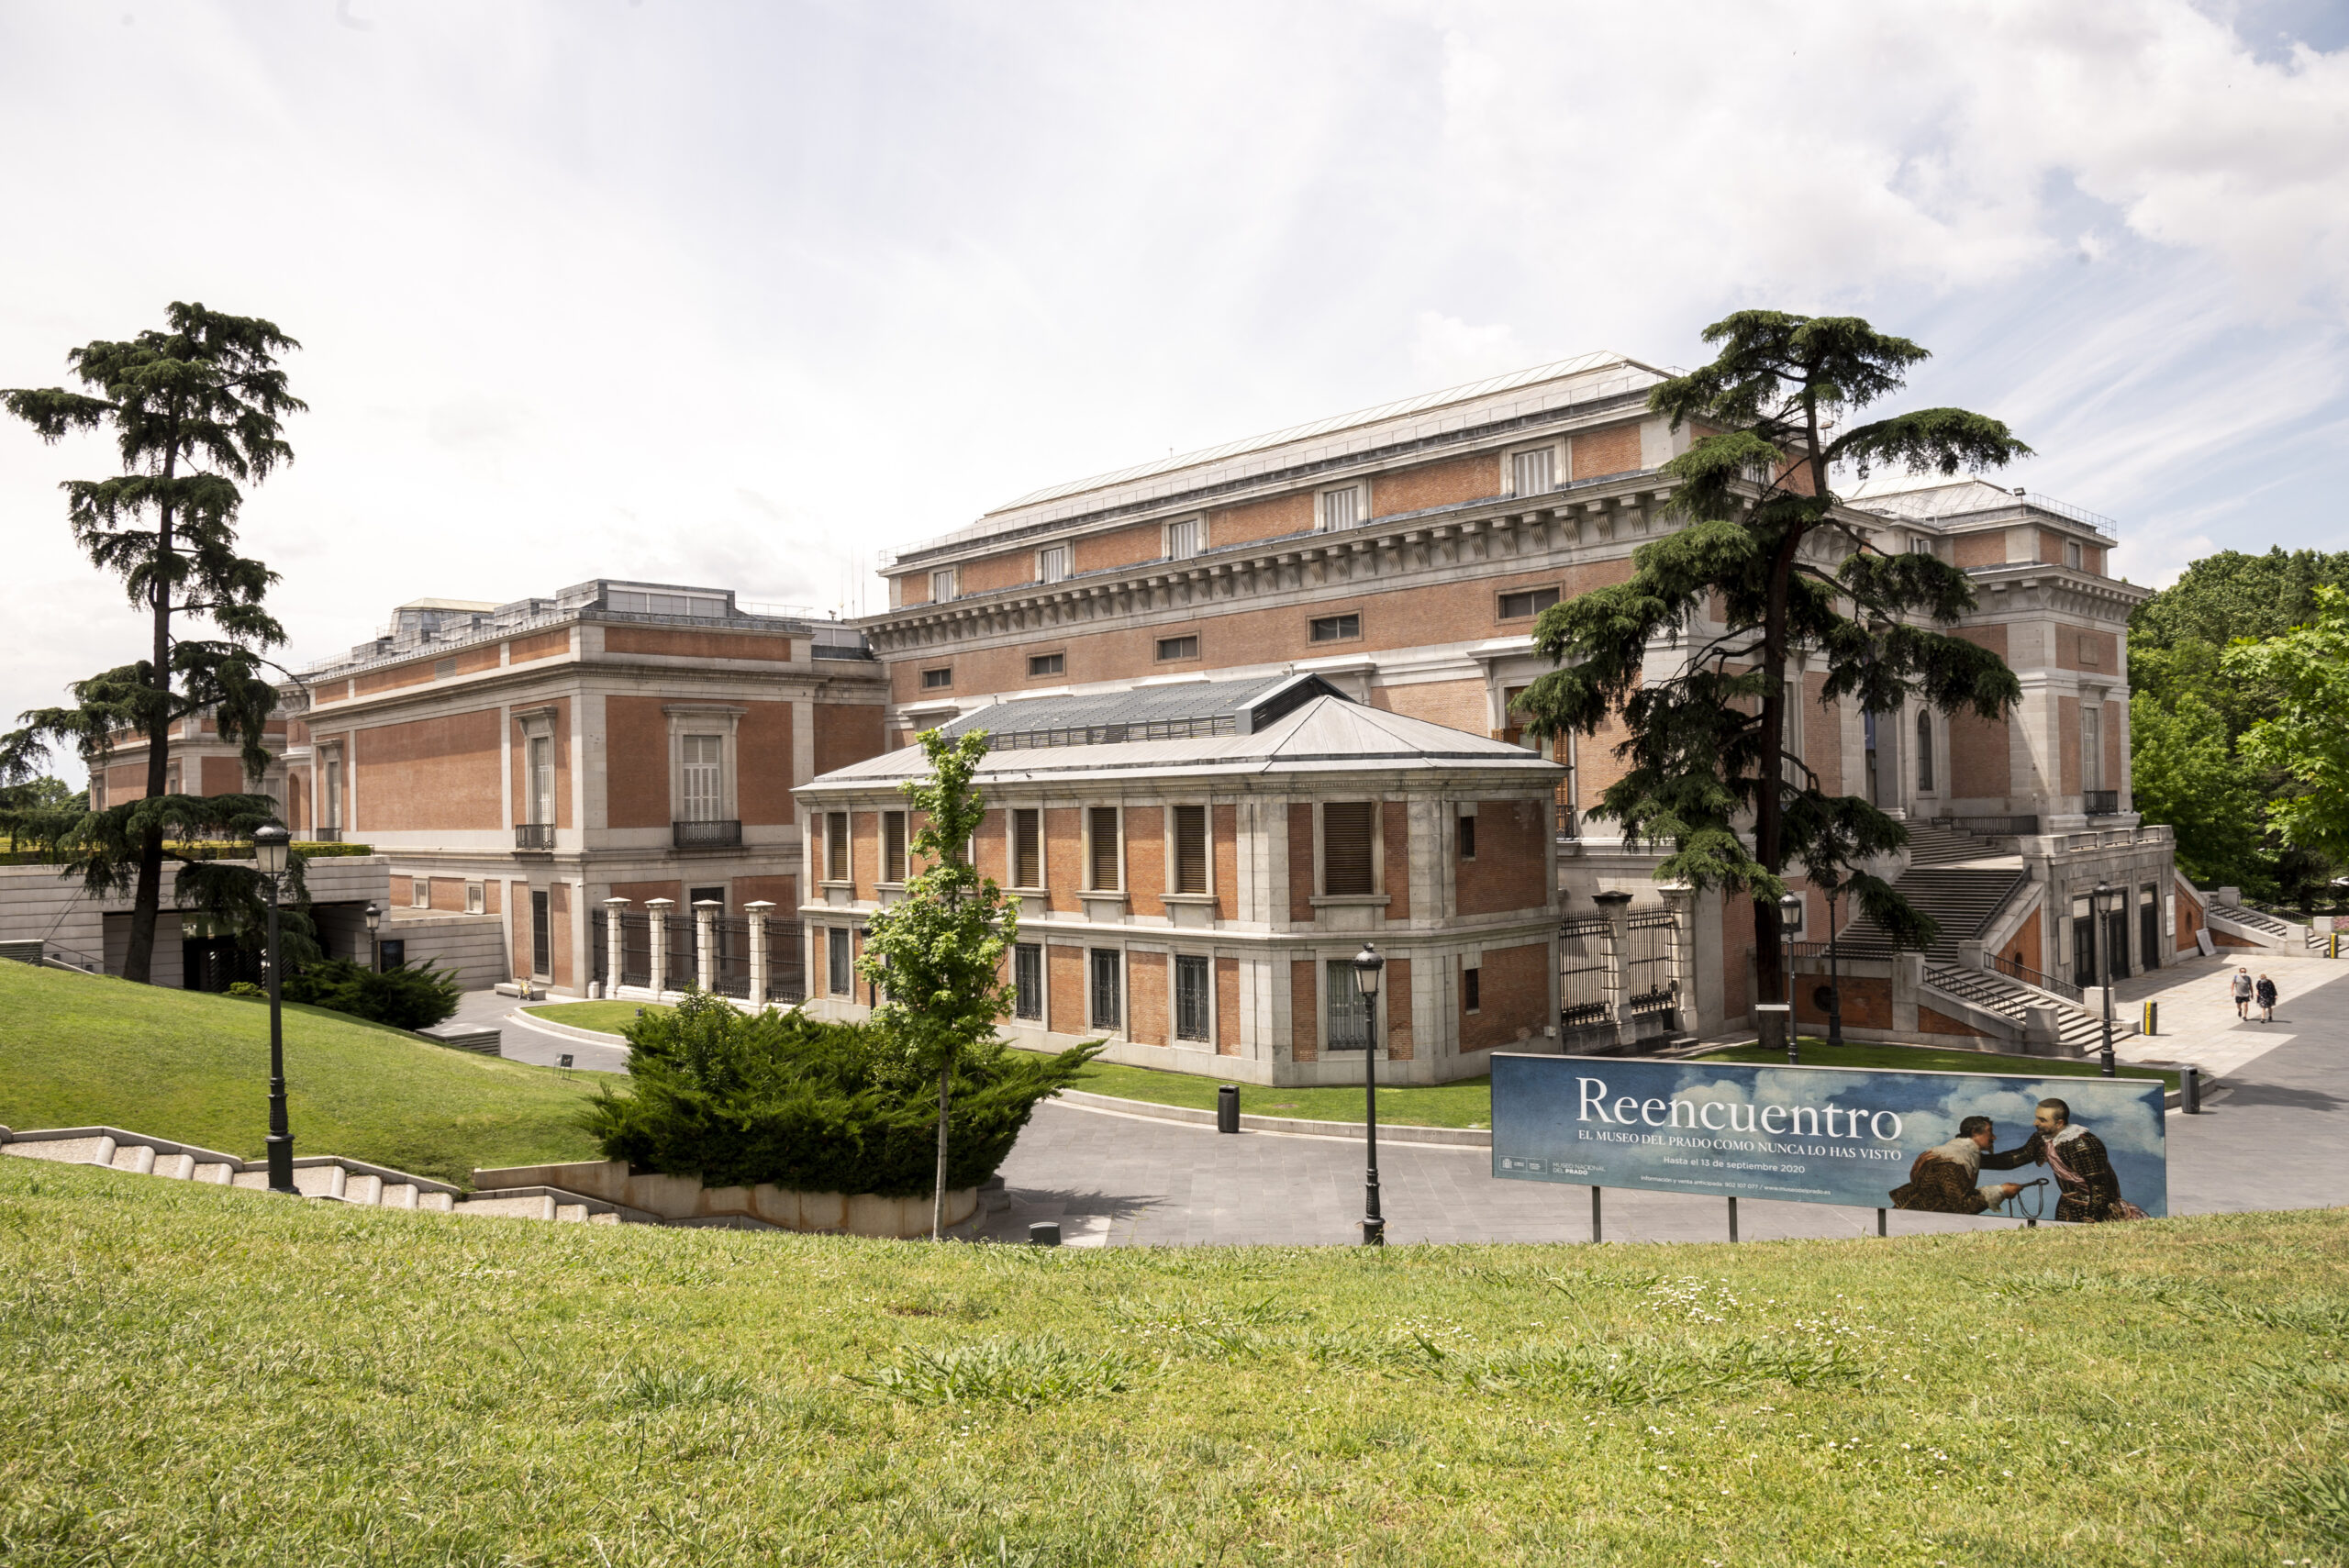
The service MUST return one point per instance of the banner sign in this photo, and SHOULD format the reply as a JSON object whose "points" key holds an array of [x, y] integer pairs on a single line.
{"points": [[1854, 1136]]}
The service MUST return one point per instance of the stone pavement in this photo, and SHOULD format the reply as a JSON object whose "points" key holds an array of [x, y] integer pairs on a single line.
{"points": [[518, 1041]]}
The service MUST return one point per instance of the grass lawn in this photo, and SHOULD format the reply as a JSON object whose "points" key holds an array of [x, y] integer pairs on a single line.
{"points": [[200, 1377], [605, 1016], [1468, 1103], [77, 1051], [1931, 1059]]}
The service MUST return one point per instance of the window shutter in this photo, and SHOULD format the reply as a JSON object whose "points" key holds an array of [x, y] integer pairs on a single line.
{"points": [[1027, 849], [893, 846], [1346, 828], [1105, 849], [1190, 849]]}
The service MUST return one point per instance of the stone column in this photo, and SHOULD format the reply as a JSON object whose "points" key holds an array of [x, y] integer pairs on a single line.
{"points": [[705, 943], [1681, 899], [1616, 907], [615, 947], [757, 911], [658, 910]]}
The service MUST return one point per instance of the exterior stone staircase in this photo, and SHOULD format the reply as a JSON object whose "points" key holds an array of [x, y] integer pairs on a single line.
{"points": [[1962, 901], [2077, 1030], [327, 1177]]}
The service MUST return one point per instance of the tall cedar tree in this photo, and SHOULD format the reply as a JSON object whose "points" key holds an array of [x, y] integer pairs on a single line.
{"points": [[194, 410], [1705, 748], [936, 957]]}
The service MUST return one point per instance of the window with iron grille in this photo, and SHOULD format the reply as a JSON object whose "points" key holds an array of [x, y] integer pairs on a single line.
{"points": [[419, 893], [1178, 648], [1026, 848], [1183, 539], [1107, 990], [1471, 997], [1346, 828], [836, 864], [1027, 980], [473, 898], [938, 680], [1190, 849], [1349, 1013], [1052, 565], [1530, 473], [1102, 821], [1191, 1001], [893, 846], [840, 971], [1467, 836], [1526, 604], [701, 778], [1335, 629], [1047, 664], [541, 937], [1339, 508]]}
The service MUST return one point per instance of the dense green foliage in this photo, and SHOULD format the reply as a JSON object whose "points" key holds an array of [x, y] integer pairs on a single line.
{"points": [[1705, 757], [737, 1099], [2306, 740], [194, 410], [37, 812], [404, 996], [78, 1050], [206, 1377]]}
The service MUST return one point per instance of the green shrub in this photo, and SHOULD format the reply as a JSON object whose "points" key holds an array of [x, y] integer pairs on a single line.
{"points": [[738, 1100], [406, 997]]}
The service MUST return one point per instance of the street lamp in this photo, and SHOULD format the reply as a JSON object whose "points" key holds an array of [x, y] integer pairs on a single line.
{"points": [[374, 951], [1834, 977], [271, 845], [1789, 922], [1367, 965], [2107, 899]]}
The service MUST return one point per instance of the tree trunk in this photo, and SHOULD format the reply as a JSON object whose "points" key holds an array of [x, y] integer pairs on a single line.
{"points": [[147, 900], [937, 1197]]}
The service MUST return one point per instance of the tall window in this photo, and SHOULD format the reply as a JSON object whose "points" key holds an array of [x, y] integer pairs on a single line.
{"points": [[1529, 473], [542, 779], [1026, 848], [1106, 990], [1191, 1012], [2072, 554], [2091, 745], [541, 938], [1346, 828], [1183, 539], [1348, 1014], [1190, 849], [474, 904], [1924, 753], [1467, 836], [1472, 998], [1052, 565], [419, 893], [1103, 822], [1027, 980], [334, 792], [942, 585], [836, 866], [840, 971], [1338, 509], [702, 802], [893, 846]]}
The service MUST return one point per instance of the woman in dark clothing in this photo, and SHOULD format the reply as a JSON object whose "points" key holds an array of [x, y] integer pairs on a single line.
{"points": [[2265, 994]]}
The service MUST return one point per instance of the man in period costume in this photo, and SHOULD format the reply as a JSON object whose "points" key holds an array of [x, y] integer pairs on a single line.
{"points": [[2075, 1157], [1942, 1179]]}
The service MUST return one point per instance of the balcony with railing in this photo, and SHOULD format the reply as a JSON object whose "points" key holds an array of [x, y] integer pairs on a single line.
{"points": [[537, 836], [2100, 802], [725, 834]]}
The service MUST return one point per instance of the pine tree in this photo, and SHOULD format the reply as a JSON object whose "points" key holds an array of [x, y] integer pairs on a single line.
{"points": [[1763, 551], [194, 410]]}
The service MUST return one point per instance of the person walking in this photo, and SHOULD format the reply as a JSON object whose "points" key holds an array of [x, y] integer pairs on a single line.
{"points": [[2265, 993], [2242, 992]]}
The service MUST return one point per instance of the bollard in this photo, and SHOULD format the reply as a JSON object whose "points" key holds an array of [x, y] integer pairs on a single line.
{"points": [[1732, 1219], [1044, 1233], [1879, 1222], [1227, 1108], [2153, 1017], [2189, 1092], [1594, 1214]]}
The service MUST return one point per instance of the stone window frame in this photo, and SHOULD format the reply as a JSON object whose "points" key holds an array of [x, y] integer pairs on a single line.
{"points": [[1085, 852], [1362, 514], [1176, 639], [1058, 675], [1501, 597], [1378, 894], [1011, 850], [1176, 1040], [724, 721], [1197, 523], [537, 724], [1324, 996], [1207, 817], [1561, 450]]}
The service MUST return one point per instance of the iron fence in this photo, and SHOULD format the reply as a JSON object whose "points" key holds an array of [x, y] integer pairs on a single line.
{"points": [[1649, 984], [2015, 969], [1582, 971]]}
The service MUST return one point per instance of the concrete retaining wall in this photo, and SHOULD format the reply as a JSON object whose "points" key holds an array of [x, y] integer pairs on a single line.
{"points": [[683, 1200]]}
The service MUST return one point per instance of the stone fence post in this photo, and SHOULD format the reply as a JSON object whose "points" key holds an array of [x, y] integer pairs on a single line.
{"points": [[1616, 907], [705, 943], [657, 909], [615, 945], [756, 912], [1681, 899]]}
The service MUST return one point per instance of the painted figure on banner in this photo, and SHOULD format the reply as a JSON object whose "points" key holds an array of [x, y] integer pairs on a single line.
{"points": [[2076, 1158], [1943, 1178]]}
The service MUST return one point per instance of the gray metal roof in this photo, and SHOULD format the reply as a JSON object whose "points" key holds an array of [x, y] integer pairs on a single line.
{"points": [[1177, 710]]}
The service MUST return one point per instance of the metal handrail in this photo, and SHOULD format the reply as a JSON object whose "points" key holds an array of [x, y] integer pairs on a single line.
{"points": [[2014, 969], [722, 834], [2100, 802], [534, 835]]}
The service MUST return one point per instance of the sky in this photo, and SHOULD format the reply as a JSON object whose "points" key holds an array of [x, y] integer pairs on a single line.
{"points": [[750, 294]]}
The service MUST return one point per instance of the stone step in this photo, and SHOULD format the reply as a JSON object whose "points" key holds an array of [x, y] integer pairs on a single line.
{"points": [[139, 1159]]}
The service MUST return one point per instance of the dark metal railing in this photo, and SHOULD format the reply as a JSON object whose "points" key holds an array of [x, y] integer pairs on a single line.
{"points": [[1863, 951], [2100, 802], [714, 835], [325, 836], [1990, 826], [534, 835], [2015, 969]]}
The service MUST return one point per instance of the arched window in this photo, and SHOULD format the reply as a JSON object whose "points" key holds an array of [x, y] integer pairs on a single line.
{"points": [[1924, 753]]}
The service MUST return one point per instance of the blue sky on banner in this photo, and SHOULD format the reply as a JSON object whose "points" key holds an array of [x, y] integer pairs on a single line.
{"points": [[747, 294]]}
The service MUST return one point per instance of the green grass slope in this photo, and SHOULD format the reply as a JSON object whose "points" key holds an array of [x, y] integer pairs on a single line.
{"points": [[207, 1377], [77, 1051]]}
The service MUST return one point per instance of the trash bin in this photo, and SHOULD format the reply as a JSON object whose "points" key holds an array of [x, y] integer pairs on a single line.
{"points": [[1044, 1233], [1227, 1108]]}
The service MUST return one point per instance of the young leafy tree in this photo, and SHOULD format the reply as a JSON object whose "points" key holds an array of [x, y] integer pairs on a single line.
{"points": [[2307, 739], [1762, 549], [2184, 773], [194, 410], [936, 957]]}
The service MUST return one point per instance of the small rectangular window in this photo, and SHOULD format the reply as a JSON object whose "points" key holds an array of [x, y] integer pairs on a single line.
{"points": [[1470, 1000], [1338, 509], [1177, 648], [1047, 664], [835, 862], [1346, 829], [1102, 821], [1336, 629], [1349, 1013], [1027, 980], [942, 585], [938, 680], [1190, 849], [1026, 848], [1529, 473], [1468, 837], [1183, 539], [1525, 605], [2072, 554], [1108, 988], [839, 970], [473, 901], [1191, 1009], [1052, 565], [419, 893], [893, 846]]}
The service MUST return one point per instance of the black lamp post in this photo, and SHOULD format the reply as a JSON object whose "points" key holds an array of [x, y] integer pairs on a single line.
{"points": [[1789, 922], [271, 844], [1367, 965], [2107, 899], [1834, 978], [374, 951]]}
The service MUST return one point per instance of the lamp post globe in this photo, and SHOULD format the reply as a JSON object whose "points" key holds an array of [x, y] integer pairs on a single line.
{"points": [[374, 953], [2106, 900], [1789, 922], [1368, 966], [272, 848]]}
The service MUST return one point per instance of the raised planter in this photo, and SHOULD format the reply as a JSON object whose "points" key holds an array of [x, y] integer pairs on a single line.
{"points": [[683, 1200]]}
